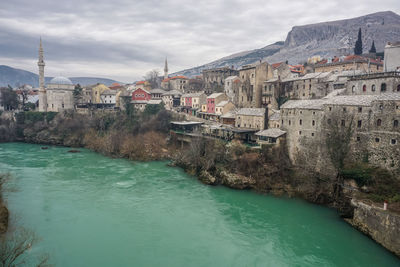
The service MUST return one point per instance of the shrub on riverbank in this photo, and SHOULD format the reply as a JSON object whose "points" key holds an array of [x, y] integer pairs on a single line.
{"points": [[134, 135]]}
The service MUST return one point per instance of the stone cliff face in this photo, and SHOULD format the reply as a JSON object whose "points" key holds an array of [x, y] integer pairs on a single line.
{"points": [[325, 39], [380, 225]]}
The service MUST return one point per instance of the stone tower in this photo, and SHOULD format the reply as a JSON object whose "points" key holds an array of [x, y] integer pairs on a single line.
{"points": [[166, 69], [42, 90]]}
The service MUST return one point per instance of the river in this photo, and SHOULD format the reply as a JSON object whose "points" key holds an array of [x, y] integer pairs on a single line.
{"points": [[91, 210]]}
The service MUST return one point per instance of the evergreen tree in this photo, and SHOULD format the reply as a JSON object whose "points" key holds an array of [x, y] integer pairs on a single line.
{"points": [[373, 49], [358, 47]]}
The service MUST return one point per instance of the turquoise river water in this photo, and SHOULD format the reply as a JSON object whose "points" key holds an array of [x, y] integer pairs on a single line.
{"points": [[90, 210]]}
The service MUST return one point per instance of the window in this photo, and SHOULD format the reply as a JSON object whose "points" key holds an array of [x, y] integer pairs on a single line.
{"points": [[379, 122], [282, 122], [313, 113], [330, 108], [344, 109], [289, 122], [373, 88], [359, 123], [377, 140], [383, 87], [358, 139], [353, 89], [359, 109], [364, 88], [299, 132], [395, 123], [301, 112], [300, 122], [312, 134], [343, 123], [398, 88], [313, 123], [393, 141], [381, 107]]}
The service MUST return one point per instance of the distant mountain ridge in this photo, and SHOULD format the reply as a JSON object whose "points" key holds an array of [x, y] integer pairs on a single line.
{"points": [[326, 39], [16, 77]]}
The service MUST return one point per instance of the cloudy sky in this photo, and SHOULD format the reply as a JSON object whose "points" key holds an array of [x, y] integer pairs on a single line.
{"points": [[123, 39]]}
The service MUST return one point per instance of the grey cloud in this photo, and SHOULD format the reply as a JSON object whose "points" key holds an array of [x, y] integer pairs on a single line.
{"points": [[136, 35]]}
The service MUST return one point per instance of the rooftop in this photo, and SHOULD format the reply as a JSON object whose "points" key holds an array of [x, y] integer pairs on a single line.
{"points": [[343, 100], [251, 111], [172, 92], [215, 95], [272, 132]]}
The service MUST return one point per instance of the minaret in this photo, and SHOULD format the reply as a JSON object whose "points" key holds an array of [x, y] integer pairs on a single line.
{"points": [[42, 90], [166, 69]]}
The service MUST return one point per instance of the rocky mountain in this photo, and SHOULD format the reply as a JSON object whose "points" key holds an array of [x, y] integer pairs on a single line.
{"points": [[326, 39], [16, 77]]}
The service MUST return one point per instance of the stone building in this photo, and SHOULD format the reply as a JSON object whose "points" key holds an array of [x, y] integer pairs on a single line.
{"points": [[60, 94], [213, 100], [371, 120], [392, 57], [157, 93], [108, 97], [179, 83], [96, 91], [374, 83], [224, 107], [231, 88], [214, 79], [171, 99], [252, 78], [253, 118], [352, 62]]}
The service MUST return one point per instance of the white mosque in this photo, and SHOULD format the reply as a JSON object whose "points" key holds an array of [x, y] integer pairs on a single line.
{"points": [[58, 95]]}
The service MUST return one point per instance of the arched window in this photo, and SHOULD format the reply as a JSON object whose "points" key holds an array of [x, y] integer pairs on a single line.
{"points": [[398, 88], [379, 122], [383, 87], [395, 123], [353, 89], [313, 123], [364, 88], [373, 88], [300, 122]]}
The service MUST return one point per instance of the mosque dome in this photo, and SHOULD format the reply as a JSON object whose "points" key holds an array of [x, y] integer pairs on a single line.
{"points": [[61, 80]]}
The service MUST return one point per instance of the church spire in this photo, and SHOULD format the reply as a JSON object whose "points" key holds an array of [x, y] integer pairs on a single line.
{"points": [[166, 69]]}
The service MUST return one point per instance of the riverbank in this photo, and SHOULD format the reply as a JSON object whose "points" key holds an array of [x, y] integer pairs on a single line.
{"points": [[4, 214], [144, 137]]}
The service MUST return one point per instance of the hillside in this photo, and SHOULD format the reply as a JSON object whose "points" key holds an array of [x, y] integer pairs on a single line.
{"points": [[16, 77], [325, 39]]}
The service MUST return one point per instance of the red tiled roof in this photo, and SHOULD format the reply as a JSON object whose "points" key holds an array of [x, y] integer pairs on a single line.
{"points": [[115, 85], [276, 65], [140, 82], [175, 77]]}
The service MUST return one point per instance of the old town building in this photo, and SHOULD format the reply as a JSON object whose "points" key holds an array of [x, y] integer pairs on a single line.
{"points": [[253, 118], [372, 122], [252, 78], [392, 57], [374, 83], [352, 62], [214, 79]]}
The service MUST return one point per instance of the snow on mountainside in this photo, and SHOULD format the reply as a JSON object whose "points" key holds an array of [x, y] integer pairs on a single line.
{"points": [[325, 39], [16, 77]]}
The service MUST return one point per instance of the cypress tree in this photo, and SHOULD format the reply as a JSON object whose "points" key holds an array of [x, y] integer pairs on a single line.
{"points": [[358, 47], [373, 49]]}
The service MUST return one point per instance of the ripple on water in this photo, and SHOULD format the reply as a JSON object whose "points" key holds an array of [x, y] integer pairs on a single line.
{"points": [[91, 210]]}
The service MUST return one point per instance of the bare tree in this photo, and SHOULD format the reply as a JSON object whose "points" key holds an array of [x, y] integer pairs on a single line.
{"points": [[14, 247], [339, 130], [152, 78]]}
